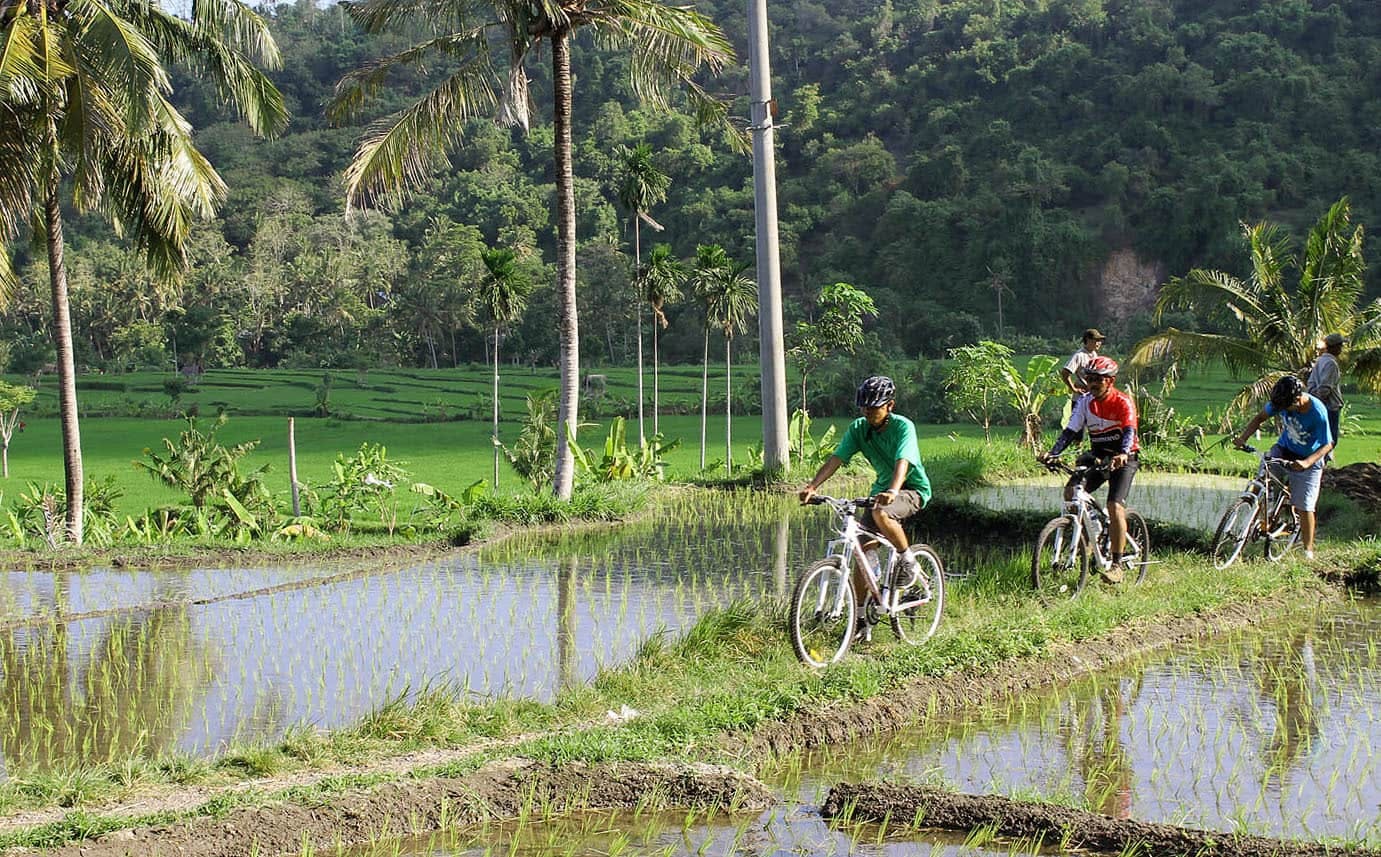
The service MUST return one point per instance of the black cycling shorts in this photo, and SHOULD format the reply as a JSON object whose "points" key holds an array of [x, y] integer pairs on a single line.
{"points": [[1119, 481]]}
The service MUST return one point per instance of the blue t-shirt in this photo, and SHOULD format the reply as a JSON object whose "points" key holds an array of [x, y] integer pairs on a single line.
{"points": [[1304, 433], [896, 440]]}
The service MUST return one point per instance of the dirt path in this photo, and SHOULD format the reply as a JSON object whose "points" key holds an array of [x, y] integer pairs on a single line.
{"points": [[418, 807], [1071, 828]]}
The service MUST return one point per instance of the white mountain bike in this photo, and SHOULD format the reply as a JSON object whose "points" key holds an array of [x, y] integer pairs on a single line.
{"points": [[825, 613], [1078, 541]]}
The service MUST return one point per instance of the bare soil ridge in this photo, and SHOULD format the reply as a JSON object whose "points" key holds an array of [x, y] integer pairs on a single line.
{"points": [[419, 807], [1071, 828]]}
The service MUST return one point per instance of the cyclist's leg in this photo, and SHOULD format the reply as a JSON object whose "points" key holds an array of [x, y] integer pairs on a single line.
{"points": [[1304, 495], [1119, 485], [888, 519], [1084, 460]]}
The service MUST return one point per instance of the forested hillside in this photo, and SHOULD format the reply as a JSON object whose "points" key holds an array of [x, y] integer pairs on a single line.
{"points": [[1064, 154]]}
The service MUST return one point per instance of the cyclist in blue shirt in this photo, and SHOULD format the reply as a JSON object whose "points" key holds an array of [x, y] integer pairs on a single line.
{"points": [[1305, 440]]}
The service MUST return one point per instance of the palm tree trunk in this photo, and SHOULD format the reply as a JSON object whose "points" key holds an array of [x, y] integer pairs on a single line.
{"points": [[728, 407], [67, 370], [563, 481], [704, 394], [496, 408], [656, 400], [638, 308]]}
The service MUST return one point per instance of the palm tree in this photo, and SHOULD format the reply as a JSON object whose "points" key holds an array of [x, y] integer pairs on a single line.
{"points": [[668, 46], [1273, 327], [659, 283], [501, 299], [86, 107], [641, 186], [733, 301], [710, 262]]}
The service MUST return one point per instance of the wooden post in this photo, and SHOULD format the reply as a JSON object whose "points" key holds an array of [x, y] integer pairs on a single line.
{"points": [[292, 468]]}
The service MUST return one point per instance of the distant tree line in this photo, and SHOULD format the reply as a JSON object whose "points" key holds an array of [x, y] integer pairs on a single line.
{"points": [[938, 155]]}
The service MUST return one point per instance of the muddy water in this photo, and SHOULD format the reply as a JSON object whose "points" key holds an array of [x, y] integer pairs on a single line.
{"points": [[1191, 500], [1276, 733], [784, 831]]}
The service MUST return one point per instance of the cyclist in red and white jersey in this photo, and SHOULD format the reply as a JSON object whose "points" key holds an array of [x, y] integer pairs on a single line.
{"points": [[1109, 416]]}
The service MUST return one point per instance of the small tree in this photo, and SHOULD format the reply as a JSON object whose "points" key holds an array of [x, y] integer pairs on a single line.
{"points": [[976, 382], [12, 398], [837, 329], [984, 380]]}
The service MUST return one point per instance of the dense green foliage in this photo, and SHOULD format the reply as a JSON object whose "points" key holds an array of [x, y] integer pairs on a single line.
{"points": [[934, 153]]}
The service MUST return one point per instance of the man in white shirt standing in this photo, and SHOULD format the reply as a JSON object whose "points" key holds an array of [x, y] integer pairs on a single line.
{"points": [[1070, 372], [1325, 381]]}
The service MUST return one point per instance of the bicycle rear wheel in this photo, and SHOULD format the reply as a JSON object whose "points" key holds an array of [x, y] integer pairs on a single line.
{"points": [[823, 610], [1059, 568], [1234, 531], [917, 623], [1136, 556], [1282, 533]]}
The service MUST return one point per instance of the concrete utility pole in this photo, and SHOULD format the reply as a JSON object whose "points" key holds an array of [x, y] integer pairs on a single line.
{"points": [[772, 348]]}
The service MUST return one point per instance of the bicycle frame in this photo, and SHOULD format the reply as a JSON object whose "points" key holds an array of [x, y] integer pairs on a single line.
{"points": [[1259, 489], [848, 546], [1082, 508]]}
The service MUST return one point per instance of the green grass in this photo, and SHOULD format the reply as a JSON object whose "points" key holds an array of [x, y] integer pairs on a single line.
{"points": [[387, 407]]}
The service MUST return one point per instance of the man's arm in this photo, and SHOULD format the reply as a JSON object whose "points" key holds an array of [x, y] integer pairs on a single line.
{"points": [[826, 470], [1066, 375], [1256, 421], [898, 480], [1306, 463]]}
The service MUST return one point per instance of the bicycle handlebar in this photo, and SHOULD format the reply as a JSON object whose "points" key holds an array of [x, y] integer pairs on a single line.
{"points": [[1055, 465], [1264, 457], [857, 502]]}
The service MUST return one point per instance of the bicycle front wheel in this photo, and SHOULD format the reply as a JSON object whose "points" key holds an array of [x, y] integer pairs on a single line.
{"points": [[1137, 554], [823, 610], [1234, 530], [1283, 530], [1059, 567], [923, 598]]}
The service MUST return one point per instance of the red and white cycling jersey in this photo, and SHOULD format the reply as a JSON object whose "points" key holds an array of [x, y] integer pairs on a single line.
{"points": [[1109, 421]]}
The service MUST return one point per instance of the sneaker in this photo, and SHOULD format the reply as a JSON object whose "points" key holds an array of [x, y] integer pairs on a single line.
{"points": [[1112, 574], [863, 630], [1308, 554]]}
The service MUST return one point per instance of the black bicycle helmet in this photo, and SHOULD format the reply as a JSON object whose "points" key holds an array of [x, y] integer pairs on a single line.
{"points": [[875, 392], [1286, 392]]}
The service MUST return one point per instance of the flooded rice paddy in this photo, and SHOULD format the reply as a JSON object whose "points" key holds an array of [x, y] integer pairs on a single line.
{"points": [[1191, 500], [1272, 732]]}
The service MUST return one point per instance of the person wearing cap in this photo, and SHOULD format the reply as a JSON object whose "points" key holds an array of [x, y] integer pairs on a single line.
{"points": [[1109, 416], [1304, 442], [1070, 373], [1325, 381]]}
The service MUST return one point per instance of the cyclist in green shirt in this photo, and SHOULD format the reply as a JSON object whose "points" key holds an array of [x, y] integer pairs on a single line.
{"points": [[888, 441]]}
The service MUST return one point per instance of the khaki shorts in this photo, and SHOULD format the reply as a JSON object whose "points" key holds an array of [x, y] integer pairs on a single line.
{"points": [[904, 505]]}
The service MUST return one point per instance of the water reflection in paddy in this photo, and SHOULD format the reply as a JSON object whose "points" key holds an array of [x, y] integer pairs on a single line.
{"points": [[1276, 733], [1192, 500], [523, 618]]}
